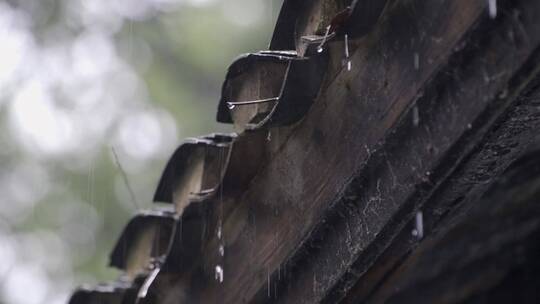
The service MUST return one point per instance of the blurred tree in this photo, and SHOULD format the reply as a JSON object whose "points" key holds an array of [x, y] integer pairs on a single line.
{"points": [[78, 78]]}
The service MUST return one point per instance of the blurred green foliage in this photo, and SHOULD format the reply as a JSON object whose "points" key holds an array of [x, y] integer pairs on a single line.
{"points": [[80, 77]]}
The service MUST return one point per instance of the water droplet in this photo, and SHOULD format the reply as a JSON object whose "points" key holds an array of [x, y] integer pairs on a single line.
{"points": [[416, 116], [268, 282], [418, 232], [147, 283], [219, 274], [492, 8], [221, 250], [416, 61], [347, 54], [320, 47]]}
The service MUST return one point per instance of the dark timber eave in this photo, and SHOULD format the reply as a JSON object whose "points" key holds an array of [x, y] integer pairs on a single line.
{"points": [[440, 102], [358, 147]]}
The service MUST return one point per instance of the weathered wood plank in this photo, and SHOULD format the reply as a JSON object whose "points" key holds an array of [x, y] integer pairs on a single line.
{"points": [[462, 95], [479, 255], [305, 176], [509, 138], [327, 212]]}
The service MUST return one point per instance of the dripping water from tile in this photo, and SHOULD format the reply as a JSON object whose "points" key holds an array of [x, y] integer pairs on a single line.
{"points": [[221, 245], [91, 185], [125, 179], [326, 34], [91, 182]]}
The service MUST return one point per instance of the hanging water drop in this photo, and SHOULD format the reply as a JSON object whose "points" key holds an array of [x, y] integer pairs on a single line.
{"points": [[320, 47]]}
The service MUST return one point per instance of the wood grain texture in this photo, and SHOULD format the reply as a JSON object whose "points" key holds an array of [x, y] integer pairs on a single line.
{"points": [[488, 255], [440, 101], [325, 151]]}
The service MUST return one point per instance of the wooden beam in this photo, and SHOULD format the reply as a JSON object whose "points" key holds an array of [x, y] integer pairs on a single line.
{"points": [[488, 255], [346, 128], [505, 142], [322, 211]]}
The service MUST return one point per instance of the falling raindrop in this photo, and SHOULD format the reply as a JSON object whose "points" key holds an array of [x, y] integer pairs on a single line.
{"points": [[418, 232], [347, 54], [219, 274], [416, 61], [416, 116], [221, 250], [269, 136], [125, 178], [492, 7], [220, 219], [268, 282]]}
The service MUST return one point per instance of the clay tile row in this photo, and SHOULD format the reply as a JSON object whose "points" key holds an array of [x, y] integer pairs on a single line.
{"points": [[154, 247], [160, 245], [277, 87]]}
